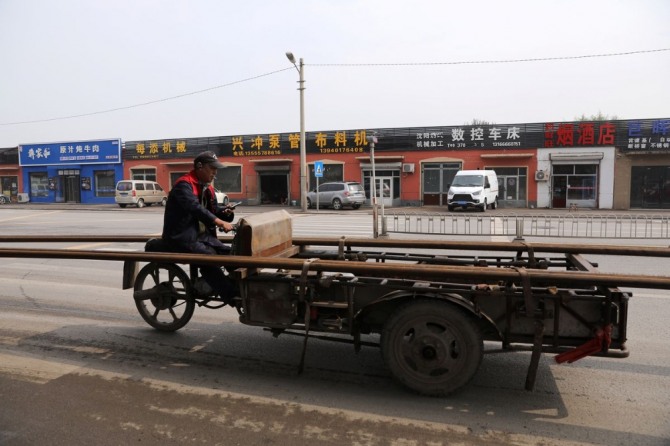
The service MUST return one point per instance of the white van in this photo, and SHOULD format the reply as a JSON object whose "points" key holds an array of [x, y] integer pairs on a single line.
{"points": [[139, 193], [473, 188]]}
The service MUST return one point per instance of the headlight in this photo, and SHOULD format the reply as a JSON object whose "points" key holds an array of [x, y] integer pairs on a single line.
{"points": [[450, 194], [476, 193]]}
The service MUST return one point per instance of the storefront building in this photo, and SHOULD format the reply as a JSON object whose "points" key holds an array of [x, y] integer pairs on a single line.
{"points": [[413, 166], [547, 165], [10, 177], [620, 164], [71, 172], [643, 165]]}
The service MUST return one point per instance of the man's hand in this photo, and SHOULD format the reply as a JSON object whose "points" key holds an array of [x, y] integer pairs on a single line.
{"points": [[227, 227]]}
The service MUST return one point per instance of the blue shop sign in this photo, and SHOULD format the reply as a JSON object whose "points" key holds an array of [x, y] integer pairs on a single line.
{"points": [[76, 152]]}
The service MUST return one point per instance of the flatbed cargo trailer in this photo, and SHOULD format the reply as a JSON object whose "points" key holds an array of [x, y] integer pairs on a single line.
{"points": [[431, 304]]}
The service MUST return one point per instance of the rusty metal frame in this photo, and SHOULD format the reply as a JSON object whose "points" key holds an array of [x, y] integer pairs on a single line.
{"points": [[523, 266]]}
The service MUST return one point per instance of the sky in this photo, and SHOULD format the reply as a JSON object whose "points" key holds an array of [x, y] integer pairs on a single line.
{"points": [[77, 70]]}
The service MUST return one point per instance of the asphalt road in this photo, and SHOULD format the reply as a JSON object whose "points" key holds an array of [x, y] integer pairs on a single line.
{"points": [[79, 366]]}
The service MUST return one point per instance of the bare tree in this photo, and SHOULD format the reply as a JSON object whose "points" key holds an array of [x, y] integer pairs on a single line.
{"points": [[476, 121], [598, 117]]}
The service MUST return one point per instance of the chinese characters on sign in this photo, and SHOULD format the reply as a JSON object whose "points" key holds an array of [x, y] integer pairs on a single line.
{"points": [[469, 137], [624, 134], [164, 147], [338, 142], [657, 137], [579, 134], [84, 152]]}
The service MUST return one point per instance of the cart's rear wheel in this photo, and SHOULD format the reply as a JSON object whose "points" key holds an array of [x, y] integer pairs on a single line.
{"points": [[432, 347], [163, 296]]}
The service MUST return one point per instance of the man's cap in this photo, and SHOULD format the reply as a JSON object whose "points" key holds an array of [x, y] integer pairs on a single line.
{"points": [[208, 158]]}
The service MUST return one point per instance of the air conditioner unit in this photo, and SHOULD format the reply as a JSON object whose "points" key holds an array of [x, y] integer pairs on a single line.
{"points": [[541, 175], [408, 168]]}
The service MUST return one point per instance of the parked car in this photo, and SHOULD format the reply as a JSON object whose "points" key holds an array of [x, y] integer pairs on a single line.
{"points": [[338, 194], [139, 193], [221, 197], [473, 188]]}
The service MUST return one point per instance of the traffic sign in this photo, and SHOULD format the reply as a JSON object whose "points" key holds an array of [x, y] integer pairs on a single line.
{"points": [[318, 169]]}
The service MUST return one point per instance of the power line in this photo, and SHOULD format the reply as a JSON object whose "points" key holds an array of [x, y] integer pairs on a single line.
{"points": [[474, 62], [147, 103], [466, 62]]}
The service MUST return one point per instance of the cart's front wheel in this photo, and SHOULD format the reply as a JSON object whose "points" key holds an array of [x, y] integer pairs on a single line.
{"points": [[432, 347], [163, 296]]}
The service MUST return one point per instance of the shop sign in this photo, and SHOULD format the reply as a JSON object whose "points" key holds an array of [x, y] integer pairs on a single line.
{"points": [[76, 152], [651, 135], [646, 134]]}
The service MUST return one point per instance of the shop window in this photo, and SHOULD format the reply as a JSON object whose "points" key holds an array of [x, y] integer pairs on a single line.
{"points": [[650, 187], [104, 183], [9, 186], [574, 182], [582, 188], [143, 174], [437, 178], [512, 184], [331, 172], [174, 176], [229, 179], [563, 169], [39, 185]]}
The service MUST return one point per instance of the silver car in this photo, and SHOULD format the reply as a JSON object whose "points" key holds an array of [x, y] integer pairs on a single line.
{"points": [[337, 195]]}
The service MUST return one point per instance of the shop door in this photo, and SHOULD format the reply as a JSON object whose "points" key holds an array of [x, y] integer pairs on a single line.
{"points": [[384, 189], [511, 186], [72, 191], [437, 178], [559, 191], [274, 188]]}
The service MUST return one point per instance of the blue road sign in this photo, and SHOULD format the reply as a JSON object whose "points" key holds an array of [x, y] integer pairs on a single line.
{"points": [[318, 169], [76, 152]]}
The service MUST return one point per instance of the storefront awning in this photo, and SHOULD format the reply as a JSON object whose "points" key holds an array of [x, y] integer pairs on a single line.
{"points": [[576, 158], [507, 155], [273, 160], [184, 163], [381, 158]]}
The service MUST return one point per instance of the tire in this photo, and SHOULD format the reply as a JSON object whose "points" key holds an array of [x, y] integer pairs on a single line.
{"points": [[171, 309], [226, 200], [122, 205], [337, 204], [483, 207], [356, 206], [164, 201], [432, 347], [450, 208], [140, 203], [3, 199], [494, 205], [309, 203]]}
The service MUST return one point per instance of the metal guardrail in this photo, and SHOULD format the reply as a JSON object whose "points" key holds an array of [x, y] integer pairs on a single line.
{"points": [[536, 225]]}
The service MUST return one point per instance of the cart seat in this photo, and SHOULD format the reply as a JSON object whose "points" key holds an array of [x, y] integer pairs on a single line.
{"points": [[268, 234]]}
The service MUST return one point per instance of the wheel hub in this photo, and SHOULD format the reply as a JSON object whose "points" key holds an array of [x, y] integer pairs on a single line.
{"points": [[429, 352]]}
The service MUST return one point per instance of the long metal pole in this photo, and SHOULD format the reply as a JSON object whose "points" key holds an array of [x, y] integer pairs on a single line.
{"points": [[373, 188], [469, 274], [303, 143], [404, 244]]}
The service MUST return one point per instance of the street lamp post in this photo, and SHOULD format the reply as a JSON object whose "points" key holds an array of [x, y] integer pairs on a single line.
{"points": [[372, 139], [303, 148]]}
